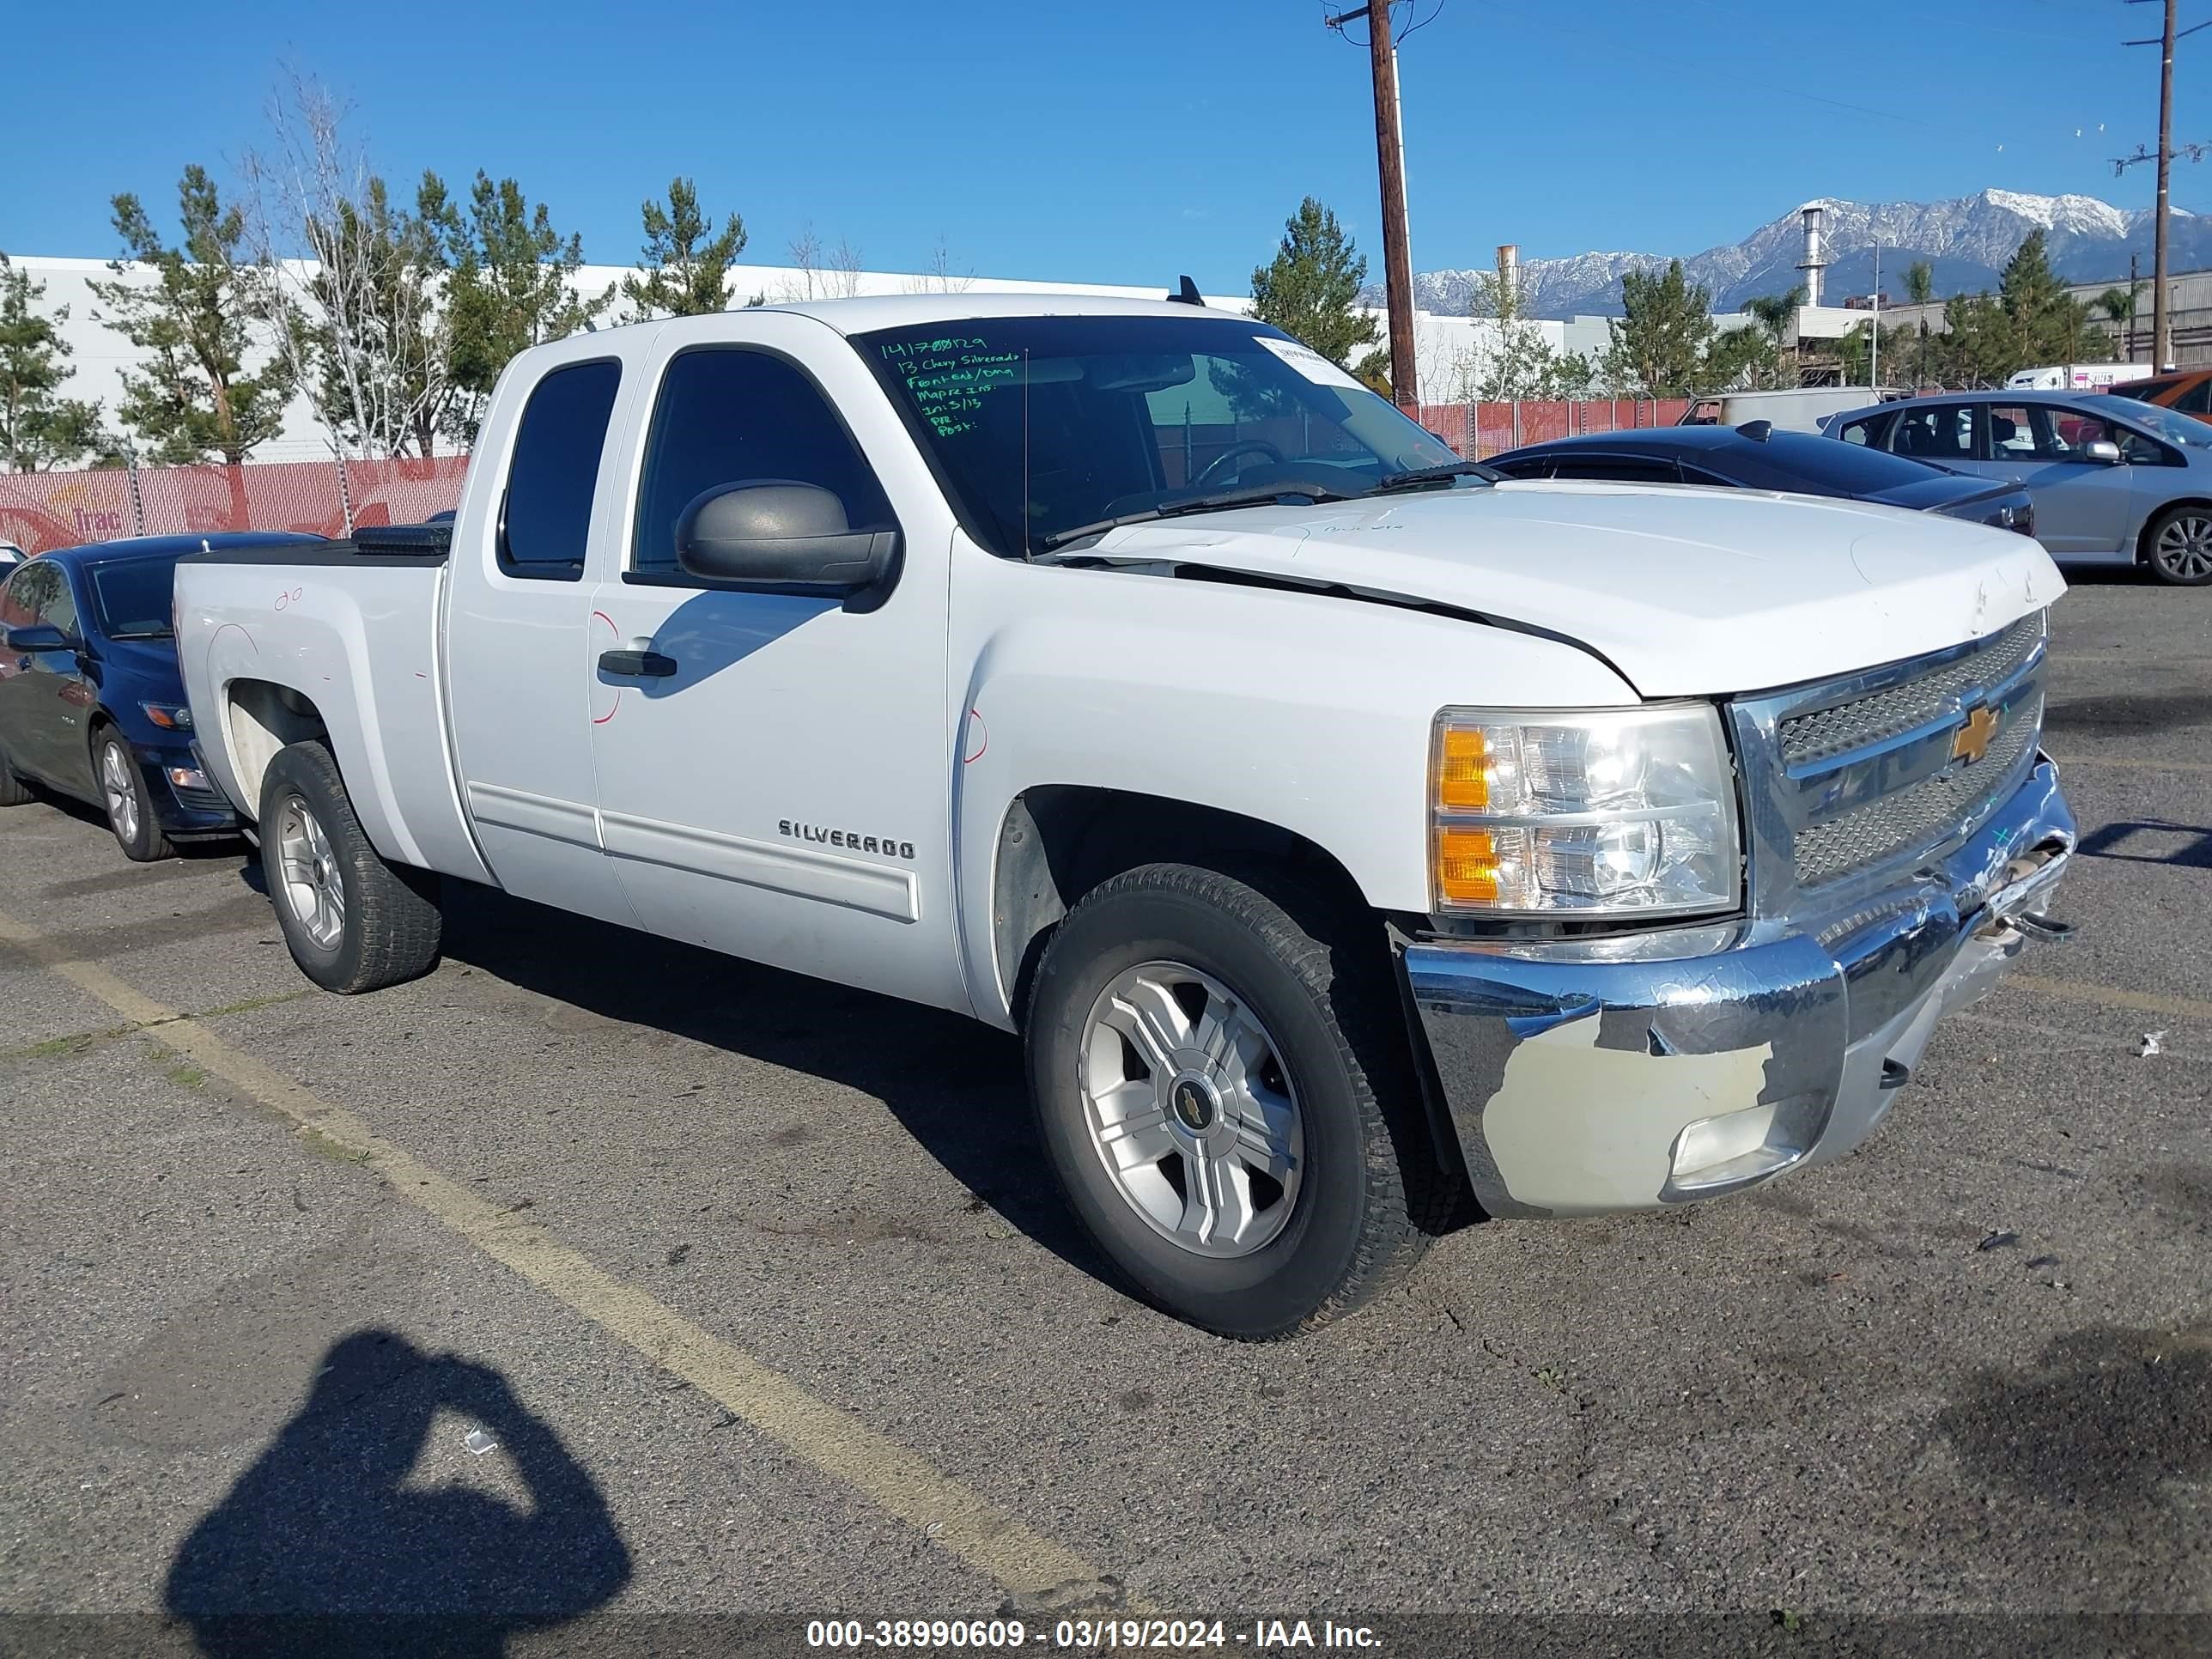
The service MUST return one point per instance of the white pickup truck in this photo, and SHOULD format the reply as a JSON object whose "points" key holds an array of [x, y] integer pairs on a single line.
{"points": [[1361, 845]]}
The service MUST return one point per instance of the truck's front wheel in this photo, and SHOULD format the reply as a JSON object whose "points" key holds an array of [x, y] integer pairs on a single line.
{"points": [[352, 920], [1223, 1087]]}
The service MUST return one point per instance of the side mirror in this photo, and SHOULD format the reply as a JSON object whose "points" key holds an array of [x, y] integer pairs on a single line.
{"points": [[2102, 449], [39, 636], [776, 537]]}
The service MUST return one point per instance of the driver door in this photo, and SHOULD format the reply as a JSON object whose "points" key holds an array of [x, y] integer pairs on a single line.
{"points": [[775, 771]]}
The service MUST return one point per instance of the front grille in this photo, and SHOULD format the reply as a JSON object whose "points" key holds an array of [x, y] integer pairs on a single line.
{"points": [[1875, 719], [1922, 814]]}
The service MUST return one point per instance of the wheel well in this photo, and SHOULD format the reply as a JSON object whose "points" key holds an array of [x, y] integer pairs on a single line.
{"points": [[2142, 536], [260, 717], [1059, 841]]}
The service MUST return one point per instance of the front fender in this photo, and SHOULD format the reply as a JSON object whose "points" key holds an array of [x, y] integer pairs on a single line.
{"points": [[1305, 711]]}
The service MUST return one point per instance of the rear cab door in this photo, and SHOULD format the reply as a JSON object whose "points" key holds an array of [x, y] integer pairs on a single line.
{"points": [[526, 548]]}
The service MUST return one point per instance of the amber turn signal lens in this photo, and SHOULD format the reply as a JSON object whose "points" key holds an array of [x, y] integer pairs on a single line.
{"points": [[1462, 769], [1467, 867]]}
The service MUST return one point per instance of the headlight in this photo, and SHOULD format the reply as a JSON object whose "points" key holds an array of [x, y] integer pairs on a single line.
{"points": [[1585, 813], [170, 716]]}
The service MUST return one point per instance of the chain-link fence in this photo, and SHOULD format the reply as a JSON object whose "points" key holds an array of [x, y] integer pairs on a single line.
{"points": [[40, 511], [1476, 430]]}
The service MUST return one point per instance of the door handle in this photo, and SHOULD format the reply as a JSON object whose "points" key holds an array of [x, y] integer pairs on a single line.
{"points": [[637, 664]]}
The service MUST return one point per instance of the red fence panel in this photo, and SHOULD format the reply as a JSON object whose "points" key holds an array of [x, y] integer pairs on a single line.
{"points": [[1477, 430], [41, 511]]}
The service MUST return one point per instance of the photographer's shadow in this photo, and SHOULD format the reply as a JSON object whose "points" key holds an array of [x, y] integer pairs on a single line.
{"points": [[320, 1549]]}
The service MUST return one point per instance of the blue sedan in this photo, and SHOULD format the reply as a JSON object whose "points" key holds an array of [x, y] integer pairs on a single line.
{"points": [[91, 705]]}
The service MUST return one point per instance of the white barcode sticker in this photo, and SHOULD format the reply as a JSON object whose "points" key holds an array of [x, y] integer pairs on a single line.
{"points": [[1308, 363]]}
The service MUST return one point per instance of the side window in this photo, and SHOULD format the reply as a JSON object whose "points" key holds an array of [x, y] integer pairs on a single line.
{"points": [[1616, 469], [1529, 466], [728, 416], [2015, 434], [19, 599], [547, 520], [1865, 432], [2195, 399], [1943, 434], [1697, 475], [58, 606]]}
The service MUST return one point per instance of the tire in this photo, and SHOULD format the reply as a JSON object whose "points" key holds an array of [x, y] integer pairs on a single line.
{"points": [[14, 792], [353, 922], [1321, 1209], [2177, 545], [123, 793]]}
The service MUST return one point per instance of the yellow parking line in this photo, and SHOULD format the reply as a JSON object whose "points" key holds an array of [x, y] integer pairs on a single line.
{"points": [[2110, 996], [889, 1474], [2143, 762]]}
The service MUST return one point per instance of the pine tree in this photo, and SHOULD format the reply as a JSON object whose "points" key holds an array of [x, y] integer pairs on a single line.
{"points": [[1659, 343], [38, 430], [512, 287], [190, 398], [1310, 288], [686, 268], [2031, 320]]}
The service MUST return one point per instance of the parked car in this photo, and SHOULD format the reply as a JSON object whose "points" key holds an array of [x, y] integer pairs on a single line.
{"points": [[1800, 408], [2188, 392], [91, 704], [1756, 457], [1345, 834], [2113, 481], [10, 555]]}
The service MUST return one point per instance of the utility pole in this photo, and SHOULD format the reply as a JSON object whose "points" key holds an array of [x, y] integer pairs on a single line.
{"points": [[2161, 340], [2135, 287], [1390, 167]]}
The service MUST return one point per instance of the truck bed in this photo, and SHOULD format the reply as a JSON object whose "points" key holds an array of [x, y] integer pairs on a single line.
{"points": [[342, 640]]}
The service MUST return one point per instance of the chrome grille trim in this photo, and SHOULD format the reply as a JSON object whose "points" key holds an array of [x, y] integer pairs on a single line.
{"points": [[1922, 815], [1846, 782], [1873, 722]]}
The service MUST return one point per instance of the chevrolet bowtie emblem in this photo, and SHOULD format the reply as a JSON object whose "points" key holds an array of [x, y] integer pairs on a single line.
{"points": [[1973, 739]]}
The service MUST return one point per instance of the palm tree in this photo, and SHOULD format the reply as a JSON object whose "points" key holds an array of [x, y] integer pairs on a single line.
{"points": [[1920, 289], [1772, 313], [2118, 305]]}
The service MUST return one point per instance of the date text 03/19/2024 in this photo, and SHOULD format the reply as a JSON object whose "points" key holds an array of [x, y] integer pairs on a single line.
{"points": [[1090, 1635]]}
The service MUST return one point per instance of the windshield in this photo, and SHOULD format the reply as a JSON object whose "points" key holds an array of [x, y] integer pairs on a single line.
{"points": [[1040, 425], [2185, 429], [131, 597]]}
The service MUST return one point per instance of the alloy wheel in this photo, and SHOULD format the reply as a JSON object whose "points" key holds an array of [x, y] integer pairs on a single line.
{"points": [[1191, 1110], [313, 892], [2184, 548], [118, 791]]}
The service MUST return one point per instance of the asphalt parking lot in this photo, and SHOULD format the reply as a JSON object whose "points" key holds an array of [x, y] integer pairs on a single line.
{"points": [[756, 1298]]}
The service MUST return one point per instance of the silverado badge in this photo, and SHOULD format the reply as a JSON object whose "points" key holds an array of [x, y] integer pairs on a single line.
{"points": [[1973, 739]]}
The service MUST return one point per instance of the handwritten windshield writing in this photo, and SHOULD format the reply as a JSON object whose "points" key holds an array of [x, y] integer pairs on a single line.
{"points": [[949, 378]]}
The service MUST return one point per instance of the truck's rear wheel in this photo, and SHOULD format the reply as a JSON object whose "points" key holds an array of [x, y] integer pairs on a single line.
{"points": [[1224, 1088], [353, 922]]}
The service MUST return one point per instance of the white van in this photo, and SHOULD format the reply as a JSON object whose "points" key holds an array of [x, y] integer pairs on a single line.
{"points": [[2076, 377]]}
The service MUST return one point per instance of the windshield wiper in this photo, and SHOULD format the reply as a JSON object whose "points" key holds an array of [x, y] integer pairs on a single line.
{"points": [[1249, 495], [1421, 475]]}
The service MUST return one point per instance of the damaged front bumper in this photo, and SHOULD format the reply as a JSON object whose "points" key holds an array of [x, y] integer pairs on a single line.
{"points": [[1586, 1076]]}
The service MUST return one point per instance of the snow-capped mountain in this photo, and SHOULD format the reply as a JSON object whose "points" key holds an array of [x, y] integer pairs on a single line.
{"points": [[1967, 241]]}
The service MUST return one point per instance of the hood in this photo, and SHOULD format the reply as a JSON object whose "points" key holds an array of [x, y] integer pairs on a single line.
{"points": [[147, 667], [1687, 593]]}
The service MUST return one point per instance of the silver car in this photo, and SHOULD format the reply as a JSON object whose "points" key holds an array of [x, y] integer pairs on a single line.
{"points": [[2114, 482]]}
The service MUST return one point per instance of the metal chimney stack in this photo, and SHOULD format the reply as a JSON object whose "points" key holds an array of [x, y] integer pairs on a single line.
{"points": [[1816, 259], [1508, 271]]}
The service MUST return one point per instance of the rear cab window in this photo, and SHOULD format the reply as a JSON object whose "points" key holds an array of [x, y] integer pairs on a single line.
{"points": [[545, 520]]}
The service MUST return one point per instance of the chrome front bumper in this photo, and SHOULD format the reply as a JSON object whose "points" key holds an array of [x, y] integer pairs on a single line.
{"points": [[1594, 1075]]}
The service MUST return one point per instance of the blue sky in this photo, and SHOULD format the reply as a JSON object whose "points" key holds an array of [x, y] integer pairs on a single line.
{"points": [[1126, 142]]}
